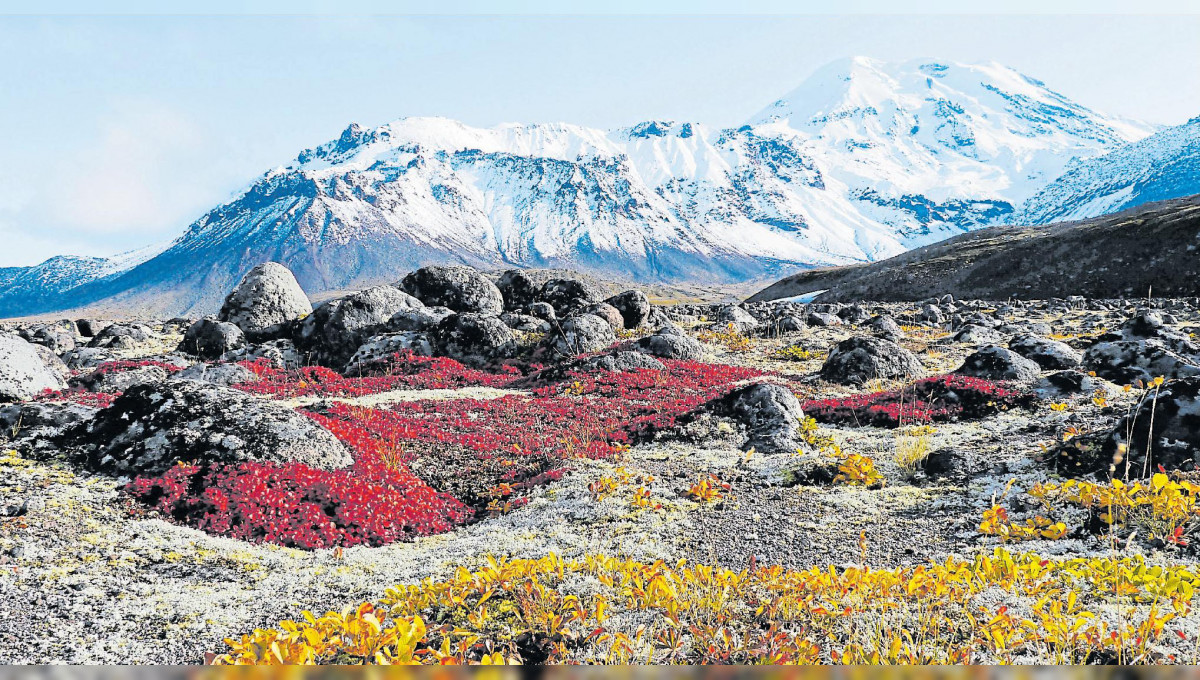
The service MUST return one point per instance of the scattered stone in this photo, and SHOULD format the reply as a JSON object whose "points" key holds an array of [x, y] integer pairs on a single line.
{"points": [[633, 306], [997, 363], [266, 302], [150, 428], [474, 339], [856, 360], [460, 288], [23, 372], [1049, 354], [209, 339]]}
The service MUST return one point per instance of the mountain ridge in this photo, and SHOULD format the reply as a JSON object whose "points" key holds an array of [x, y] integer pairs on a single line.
{"points": [[904, 155]]}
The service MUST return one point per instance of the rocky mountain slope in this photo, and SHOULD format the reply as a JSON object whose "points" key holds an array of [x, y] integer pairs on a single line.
{"points": [[1122, 255], [862, 162], [1162, 166]]}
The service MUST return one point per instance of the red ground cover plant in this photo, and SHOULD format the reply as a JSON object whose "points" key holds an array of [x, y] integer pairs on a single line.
{"points": [[78, 395], [424, 467], [938, 399], [405, 371], [376, 501]]}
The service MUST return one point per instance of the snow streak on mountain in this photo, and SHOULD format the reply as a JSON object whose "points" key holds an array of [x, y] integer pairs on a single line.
{"points": [[863, 161], [1162, 166]]}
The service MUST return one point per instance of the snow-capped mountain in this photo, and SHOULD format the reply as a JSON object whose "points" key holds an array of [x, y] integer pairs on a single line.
{"points": [[1162, 166], [863, 161]]}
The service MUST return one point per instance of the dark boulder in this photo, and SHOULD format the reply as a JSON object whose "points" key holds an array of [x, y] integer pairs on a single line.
{"points": [[997, 363], [474, 339], [150, 428], [633, 306], [770, 413], [856, 360], [209, 339], [460, 288]]}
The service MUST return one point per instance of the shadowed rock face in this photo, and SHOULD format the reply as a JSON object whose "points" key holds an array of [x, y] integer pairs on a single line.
{"points": [[1121, 255]]}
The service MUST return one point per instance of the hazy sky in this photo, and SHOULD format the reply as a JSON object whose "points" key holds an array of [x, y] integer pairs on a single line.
{"points": [[118, 131]]}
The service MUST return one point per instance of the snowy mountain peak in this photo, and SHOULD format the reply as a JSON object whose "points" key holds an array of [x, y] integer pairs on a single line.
{"points": [[863, 161], [944, 130]]}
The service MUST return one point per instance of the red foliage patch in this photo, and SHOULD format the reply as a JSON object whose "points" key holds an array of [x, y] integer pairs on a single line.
{"points": [[426, 466], [83, 397], [405, 371], [298, 506], [938, 399]]}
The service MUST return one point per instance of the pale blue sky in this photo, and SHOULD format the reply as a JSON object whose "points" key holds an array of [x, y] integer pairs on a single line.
{"points": [[120, 130]]}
